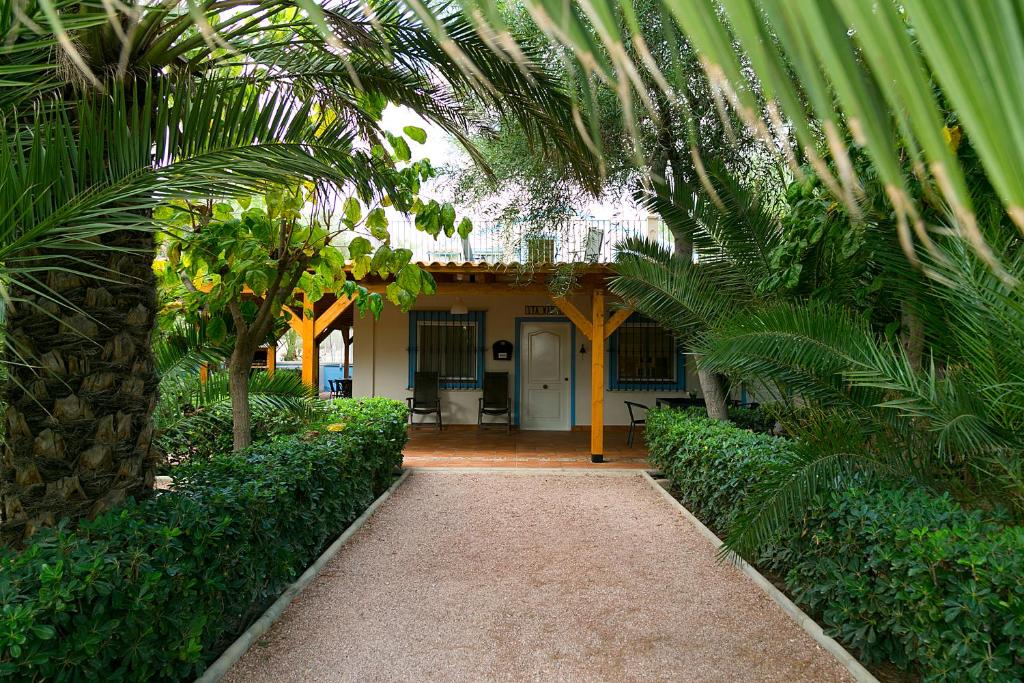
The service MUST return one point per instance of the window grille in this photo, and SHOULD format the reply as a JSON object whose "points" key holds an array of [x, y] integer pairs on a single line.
{"points": [[451, 345], [645, 357]]}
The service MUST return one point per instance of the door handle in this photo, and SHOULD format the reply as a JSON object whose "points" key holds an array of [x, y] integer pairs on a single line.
{"points": [[544, 386], [566, 379]]}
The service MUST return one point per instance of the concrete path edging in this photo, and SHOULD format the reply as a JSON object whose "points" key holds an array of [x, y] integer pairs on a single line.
{"points": [[222, 664], [813, 629]]}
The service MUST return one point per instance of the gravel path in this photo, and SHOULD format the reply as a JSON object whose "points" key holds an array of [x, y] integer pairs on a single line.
{"points": [[532, 577]]}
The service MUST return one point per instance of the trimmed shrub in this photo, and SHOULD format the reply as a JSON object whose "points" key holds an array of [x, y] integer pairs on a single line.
{"points": [[156, 589], [909, 576], [899, 573], [711, 463]]}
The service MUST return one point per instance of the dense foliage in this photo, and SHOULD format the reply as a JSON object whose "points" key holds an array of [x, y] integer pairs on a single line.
{"points": [[712, 463], [897, 572], [154, 590], [206, 432]]}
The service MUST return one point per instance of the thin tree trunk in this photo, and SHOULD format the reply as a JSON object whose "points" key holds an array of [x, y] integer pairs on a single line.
{"points": [[247, 340], [238, 386], [81, 389], [913, 336]]}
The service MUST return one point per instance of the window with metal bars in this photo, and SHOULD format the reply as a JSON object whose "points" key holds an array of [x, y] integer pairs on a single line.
{"points": [[452, 345], [643, 356]]}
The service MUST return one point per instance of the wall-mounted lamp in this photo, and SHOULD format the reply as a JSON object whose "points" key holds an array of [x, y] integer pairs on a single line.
{"points": [[459, 308], [583, 350]]}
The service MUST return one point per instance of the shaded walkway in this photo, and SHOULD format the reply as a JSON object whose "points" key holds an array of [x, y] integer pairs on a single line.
{"points": [[532, 576]]}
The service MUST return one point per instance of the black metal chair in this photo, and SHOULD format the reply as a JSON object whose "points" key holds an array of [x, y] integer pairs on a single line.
{"points": [[426, 397], [634, 422], [496, 399], [345, 387], [334, 387]]}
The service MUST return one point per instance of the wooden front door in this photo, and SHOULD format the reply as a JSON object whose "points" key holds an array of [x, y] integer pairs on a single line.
{"points": [[546, 355]]}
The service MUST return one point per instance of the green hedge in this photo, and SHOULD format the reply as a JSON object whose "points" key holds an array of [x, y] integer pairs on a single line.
{"points": [[897, 572], [155, 590], [711, 463]]}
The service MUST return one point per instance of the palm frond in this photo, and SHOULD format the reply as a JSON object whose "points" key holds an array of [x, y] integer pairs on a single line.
{"points": [[187, 402], [184, 350], [682, 297]]}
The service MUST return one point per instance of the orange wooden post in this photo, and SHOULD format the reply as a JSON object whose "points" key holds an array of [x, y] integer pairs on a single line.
{"points": [[204, 373], [272, 358], [597, 378], [310, 347]]}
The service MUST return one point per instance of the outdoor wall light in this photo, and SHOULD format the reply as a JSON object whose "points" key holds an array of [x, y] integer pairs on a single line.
{"points": [[459, 308], [583, 350]]}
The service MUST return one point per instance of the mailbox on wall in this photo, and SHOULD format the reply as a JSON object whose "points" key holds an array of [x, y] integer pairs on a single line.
{"points": [[502, 350]]}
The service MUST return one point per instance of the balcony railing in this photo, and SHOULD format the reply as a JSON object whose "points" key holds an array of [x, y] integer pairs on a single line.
{"points": [[574, 241]]}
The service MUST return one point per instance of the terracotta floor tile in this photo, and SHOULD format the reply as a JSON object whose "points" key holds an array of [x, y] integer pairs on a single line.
{"points": [[469, 447]]}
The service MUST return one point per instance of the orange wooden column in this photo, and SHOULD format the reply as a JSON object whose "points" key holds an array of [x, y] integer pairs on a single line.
{"points": [[272, 358], [310, 346], [597, 323]]}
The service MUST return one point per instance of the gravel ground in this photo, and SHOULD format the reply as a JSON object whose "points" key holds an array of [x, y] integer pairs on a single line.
{"points": [[532, 577]]}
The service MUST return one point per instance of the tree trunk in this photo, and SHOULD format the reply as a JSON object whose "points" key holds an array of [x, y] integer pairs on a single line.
{"points": [[683, 246], [81, 388], [238, 386], [712, 385], [913, 336]]}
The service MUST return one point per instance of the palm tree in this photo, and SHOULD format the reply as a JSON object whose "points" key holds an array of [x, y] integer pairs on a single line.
{"points": [[833, 71], [110, 110], [733, 235], [867, 408]]}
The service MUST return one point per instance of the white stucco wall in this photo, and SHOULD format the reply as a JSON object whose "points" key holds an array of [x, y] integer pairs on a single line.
{"points": [[381, 352]]}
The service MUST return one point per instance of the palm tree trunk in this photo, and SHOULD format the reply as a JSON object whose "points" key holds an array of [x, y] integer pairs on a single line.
{"points": [[913, 336], [712, 385], [81, 388]]}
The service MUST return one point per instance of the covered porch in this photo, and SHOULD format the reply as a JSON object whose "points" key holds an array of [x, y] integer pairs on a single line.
{"points": [[469, 446]]}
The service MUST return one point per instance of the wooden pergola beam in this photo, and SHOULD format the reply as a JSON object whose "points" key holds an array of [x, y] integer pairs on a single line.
{"points": [[294, 320], [327, 318], [618, 317], [575, 315]]}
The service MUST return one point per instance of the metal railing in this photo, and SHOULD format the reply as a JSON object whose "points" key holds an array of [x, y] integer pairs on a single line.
{"points": [[573, 241]]}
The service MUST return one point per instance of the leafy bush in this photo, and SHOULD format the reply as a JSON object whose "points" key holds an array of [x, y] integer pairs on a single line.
{"points": [[895, 571], [201, 439], [712, 464], [755, 419], [155, 590], [909, 576]]}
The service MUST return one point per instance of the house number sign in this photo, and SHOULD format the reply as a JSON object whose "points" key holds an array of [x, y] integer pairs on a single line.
{"points": [[542, 310]]}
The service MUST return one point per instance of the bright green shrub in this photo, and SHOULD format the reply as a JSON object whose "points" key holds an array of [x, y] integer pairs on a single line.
{"points": [[155, 590], [383, 417], [899, 573], [712, 463], [909, 576]]}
